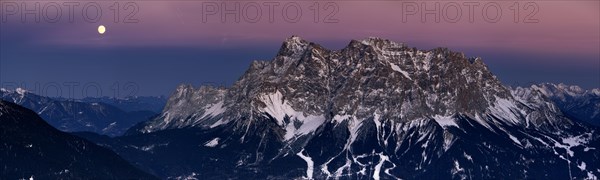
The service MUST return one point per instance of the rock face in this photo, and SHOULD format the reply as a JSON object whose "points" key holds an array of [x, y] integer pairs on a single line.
{"points": [[374, 109], [372, 76], [31, 148]]}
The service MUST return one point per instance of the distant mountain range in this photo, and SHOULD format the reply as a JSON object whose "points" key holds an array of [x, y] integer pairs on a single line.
{"points": [[374, 109], [31, 148], [575, 102], [136, 103], [108, 116]]}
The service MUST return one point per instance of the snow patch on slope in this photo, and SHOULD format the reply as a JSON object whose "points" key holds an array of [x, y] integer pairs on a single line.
{"points": [[21, 91], [382, 159], [398, 69], [505, 109], [514, 139], [309, 163], [340, 118], [279, 109], [445, 121], [212, 143], [214, 110]]}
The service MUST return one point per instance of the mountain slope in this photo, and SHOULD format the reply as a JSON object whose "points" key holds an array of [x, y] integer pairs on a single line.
{"points": [[374, 109], [32, 148], [71, 115], [132, 104], [583, 105]]}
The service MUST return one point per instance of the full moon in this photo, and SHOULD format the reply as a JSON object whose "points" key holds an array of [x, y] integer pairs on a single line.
{"points": [[101, 29]]}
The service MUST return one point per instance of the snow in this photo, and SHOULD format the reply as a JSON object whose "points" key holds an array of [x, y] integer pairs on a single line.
{"points": [[570, 142], [353, 127], [457, 167], [339, 172], [574, 141], [147, 148], [448, 140], [325, 170], [278, 108], [212, 143], [387, 171], [218, 123], [110, 126], [483, 122], [309, 164], [514, 139], [64, 171], [445, 121], [43, 109], [468, 156], [310, 124], [21, 91], [398, 69], [295, 39], [214, 110], [378, 127], [340, 118], [590, 176], [186, 177], [505, 109], [582, 166], [189, 107], [382, 159], [596, 92]]}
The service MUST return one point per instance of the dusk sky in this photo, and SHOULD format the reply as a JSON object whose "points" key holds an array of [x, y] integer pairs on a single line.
{"points": [[168, 43]]}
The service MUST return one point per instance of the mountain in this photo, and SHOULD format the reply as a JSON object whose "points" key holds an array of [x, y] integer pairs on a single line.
{"points": [[133, 103], [75, 115], [186, 103], [374, 109], [31, 148], [580, 104]]}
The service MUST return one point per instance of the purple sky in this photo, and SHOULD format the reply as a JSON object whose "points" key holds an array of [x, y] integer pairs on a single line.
{"points": [[553, 41]]}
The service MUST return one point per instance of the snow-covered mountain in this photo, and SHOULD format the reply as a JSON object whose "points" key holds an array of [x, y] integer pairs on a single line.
{"points": [[187, 107], [373, 76], [77, 115], [577, 103], [374, 109]]}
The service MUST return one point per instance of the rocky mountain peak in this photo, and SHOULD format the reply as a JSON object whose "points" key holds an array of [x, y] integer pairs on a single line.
{"points": [[308, 84], [293, 46]]}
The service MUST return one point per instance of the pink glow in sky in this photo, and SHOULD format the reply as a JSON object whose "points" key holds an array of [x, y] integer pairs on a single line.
{"points": [[563, 27], [552, 41]]}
